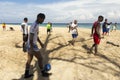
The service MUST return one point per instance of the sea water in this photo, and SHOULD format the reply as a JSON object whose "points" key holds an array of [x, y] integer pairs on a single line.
{"points": [[64, 25]]}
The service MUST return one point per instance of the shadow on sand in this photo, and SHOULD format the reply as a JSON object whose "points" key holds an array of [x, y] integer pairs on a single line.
{"points": [[108, 42], [46, 58], [101, 56], [36, 68]]}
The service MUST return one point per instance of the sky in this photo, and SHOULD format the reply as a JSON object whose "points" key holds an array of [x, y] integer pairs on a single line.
{"points": [[59, 11]]}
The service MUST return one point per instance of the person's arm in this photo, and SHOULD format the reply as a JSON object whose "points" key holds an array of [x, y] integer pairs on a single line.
{"points": [[51, 26], [109, 23], [75, 27], [23, 28], [77, 31], [31, 40], [41, 44], [92, 31]]}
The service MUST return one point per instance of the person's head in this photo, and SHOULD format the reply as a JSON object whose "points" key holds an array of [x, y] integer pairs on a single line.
{"points": [[100, 18], [75, 21], [105, 20], [48, 22], [40, 18], [25, 19]]}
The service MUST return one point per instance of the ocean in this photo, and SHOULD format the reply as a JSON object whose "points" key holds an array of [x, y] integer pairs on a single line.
{"points": [[64, 25]]}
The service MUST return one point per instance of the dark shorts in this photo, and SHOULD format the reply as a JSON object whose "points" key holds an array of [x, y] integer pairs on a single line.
{"points": [[74, 35], [25, 37], [48, 30], [104, 30]]}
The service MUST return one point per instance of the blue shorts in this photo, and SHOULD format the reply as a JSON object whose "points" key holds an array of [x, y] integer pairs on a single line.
{"points": [[104, 30], [35, 48], [74, 35]]}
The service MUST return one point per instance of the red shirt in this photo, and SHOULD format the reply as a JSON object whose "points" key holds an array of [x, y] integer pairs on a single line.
{"points": [[95, 25]]}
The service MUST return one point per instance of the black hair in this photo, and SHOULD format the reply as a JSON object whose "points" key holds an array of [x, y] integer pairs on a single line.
{"points": [[105, 19], [25, 19], [41, 15], [100, 16]]}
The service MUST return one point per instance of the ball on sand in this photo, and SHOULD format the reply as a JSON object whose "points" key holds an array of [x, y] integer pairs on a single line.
{"points": [[47, 67]]}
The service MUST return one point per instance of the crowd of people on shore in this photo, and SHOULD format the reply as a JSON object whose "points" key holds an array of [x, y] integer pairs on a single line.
{"points": [[95, 32], [108, 27], [4, 27]]}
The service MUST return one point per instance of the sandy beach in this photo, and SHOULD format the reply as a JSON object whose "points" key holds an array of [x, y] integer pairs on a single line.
{"points": [[68, 62]]}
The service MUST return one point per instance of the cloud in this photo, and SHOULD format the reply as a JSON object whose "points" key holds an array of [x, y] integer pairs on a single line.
{"points": [[82, 10]]}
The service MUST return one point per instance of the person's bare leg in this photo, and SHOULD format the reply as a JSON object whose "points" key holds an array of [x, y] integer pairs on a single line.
{"points": [[91, 49], [40, 63], [73, 41], [29, 60], [96, 49], [40, 59]]}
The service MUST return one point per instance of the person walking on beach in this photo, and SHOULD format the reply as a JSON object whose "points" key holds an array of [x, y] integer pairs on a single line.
{"points": [[95, 32], [104, 27], [74, 31], [114, 27], [49, 26], [4, 26], [33, 49], [24, 29]]}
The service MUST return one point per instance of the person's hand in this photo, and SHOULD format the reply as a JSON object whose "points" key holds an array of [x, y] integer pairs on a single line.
{"points": [[77, 34], [100, 37], [91, 35]]}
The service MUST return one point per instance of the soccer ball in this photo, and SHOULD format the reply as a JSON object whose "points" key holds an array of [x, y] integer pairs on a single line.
{"points": [[47, 67]]}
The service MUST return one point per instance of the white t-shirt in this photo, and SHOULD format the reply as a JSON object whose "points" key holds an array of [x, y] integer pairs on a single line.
{"points": [[73, 31], [34, 28], [25, 28], [108, 26]]}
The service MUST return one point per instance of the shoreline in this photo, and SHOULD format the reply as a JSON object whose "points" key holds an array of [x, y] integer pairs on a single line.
{"points": [[44, 26]]}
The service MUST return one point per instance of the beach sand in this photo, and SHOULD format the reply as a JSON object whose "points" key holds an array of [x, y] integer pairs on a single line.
{"points": [[68, 62]]}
